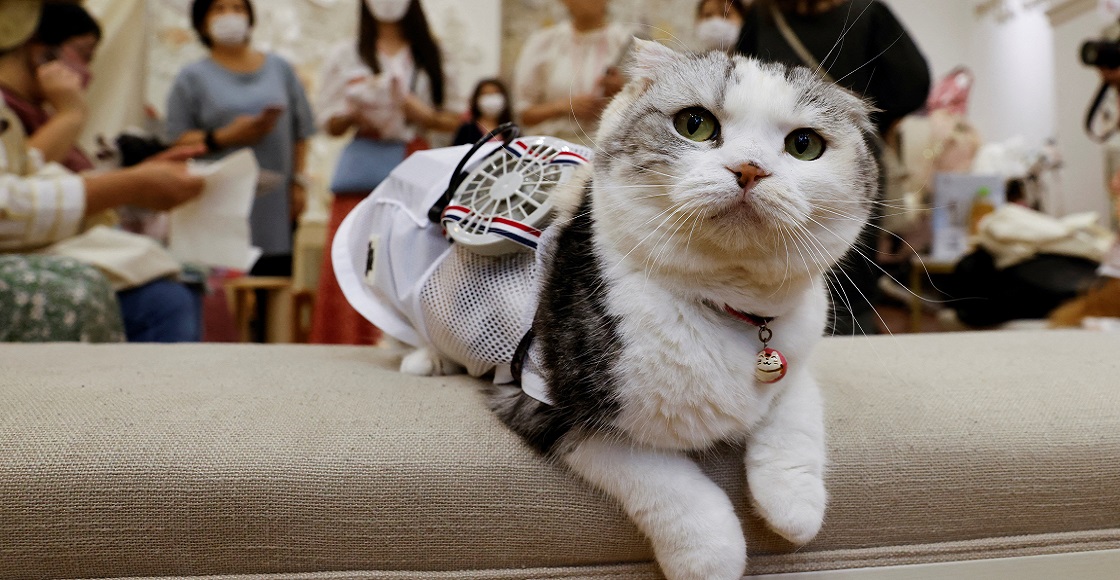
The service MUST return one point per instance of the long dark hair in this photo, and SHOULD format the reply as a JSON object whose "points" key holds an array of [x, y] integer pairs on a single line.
{"points": [[806, 7], [736, 5], [425, 51], [507, 114], [61, 22]]}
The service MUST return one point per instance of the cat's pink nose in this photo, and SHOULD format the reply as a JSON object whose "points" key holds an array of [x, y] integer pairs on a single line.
{"points": [[748, 175]]}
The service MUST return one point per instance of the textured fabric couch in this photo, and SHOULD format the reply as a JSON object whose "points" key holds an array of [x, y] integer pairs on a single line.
{"points": [[321, 462]]}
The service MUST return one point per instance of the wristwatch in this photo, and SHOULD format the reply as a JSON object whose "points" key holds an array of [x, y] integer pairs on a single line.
{"points": [[211, 142]]}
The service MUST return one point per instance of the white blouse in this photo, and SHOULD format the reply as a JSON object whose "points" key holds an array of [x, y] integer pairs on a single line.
{"points": [[348, 83], [560, 62]]}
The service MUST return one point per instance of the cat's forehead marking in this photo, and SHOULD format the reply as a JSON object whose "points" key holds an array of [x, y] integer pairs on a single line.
{"points": [[762, 93]]}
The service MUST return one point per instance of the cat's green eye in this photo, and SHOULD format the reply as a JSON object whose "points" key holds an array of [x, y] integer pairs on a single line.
{"points": [[696, 124], [805, 144]]}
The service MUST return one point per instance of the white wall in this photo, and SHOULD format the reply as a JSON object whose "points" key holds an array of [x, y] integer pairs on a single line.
{"points": [[1014, 66], [1013, 62], [1029, 82], [941, 29]]}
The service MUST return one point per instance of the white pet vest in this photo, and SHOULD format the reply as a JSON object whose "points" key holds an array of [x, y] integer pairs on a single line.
{"points": [[402, 273]]}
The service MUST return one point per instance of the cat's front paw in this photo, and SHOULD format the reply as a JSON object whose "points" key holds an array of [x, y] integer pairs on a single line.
{"points": [[423, 362], [706, 545], [791, 499]]}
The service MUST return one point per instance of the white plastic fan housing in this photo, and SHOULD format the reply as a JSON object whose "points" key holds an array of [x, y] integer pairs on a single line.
{"points": [[506, 198]]}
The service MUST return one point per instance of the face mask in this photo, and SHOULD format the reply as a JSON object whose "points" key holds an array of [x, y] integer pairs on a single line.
{"points": [[229, 29], [717, 33], [388, 10], [492, 105]]}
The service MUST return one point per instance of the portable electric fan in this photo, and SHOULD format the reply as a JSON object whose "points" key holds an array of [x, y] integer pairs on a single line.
{"points": [[500, 205]]}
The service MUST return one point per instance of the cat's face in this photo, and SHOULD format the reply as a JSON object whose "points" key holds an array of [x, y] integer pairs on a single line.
{"points": [[706, 159]]}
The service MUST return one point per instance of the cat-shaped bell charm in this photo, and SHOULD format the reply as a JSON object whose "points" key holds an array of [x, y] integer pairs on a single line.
{"points": [[770, 366]]}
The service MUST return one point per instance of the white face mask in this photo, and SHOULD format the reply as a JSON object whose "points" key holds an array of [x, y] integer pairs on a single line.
{"points": [[388, 10], [717, 33], [491, 105], [229, 29]]}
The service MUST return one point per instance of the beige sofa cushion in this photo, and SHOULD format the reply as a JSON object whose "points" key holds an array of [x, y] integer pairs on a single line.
{"points": [[127, 460]]}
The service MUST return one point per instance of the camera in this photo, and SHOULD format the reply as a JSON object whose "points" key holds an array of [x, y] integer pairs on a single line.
{"points": [[1101, 53]]}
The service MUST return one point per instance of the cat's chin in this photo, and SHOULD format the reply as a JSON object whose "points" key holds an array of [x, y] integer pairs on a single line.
{"points": [[745, 213]]}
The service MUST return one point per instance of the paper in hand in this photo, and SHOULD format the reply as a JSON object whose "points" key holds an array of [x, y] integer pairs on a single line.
{"points": [[213, 229]]}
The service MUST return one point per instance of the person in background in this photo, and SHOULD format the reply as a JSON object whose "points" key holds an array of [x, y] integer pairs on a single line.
{"points": [[69, 37], [489, 108], [240, 97], [719, 23], [389, 88], [44, 64], [877, 59], [568, 72]]}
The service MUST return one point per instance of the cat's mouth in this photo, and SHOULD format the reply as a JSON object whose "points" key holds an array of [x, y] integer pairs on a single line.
{"points": [[743, 207]]}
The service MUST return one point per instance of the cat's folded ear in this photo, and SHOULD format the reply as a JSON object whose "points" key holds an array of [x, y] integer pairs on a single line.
{"points": [[647, 57]]}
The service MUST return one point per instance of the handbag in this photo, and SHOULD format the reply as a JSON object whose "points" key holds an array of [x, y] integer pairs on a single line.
{"points": [[364, 164]]}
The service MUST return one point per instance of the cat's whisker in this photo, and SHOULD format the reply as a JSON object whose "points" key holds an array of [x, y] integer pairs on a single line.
{"points": [[843, 35], [919, 207], [654, 255], [846, 216], [871, 60], [798, 244], [602, 152], [836, 289], [640, 242], [878, 354], [785, 249], [692, 230], [843, 271], [803, 237], [679, 224], [921, 260], [880, 268]]}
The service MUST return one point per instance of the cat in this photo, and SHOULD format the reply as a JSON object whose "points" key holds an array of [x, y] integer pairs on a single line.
{"points": [[722, 191]]}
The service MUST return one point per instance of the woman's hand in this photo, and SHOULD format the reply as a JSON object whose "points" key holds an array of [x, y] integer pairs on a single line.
{"points": [[417, 111], [424, 115], [339, 124], [248, 130], [180, 153], [162, 185], [62, 87]]}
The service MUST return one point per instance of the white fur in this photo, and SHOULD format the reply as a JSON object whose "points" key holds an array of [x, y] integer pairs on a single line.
{"points": [[679, 236], [676, 234], [426, 362], [689, 520]]}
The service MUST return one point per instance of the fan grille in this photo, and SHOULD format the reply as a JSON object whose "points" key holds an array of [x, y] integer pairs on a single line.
{"points": [[508, 186], [505, 200]]}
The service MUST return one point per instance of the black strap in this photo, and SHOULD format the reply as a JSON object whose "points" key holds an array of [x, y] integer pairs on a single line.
{"points": [[1098, 101], [517, 365], [435, 214]]}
